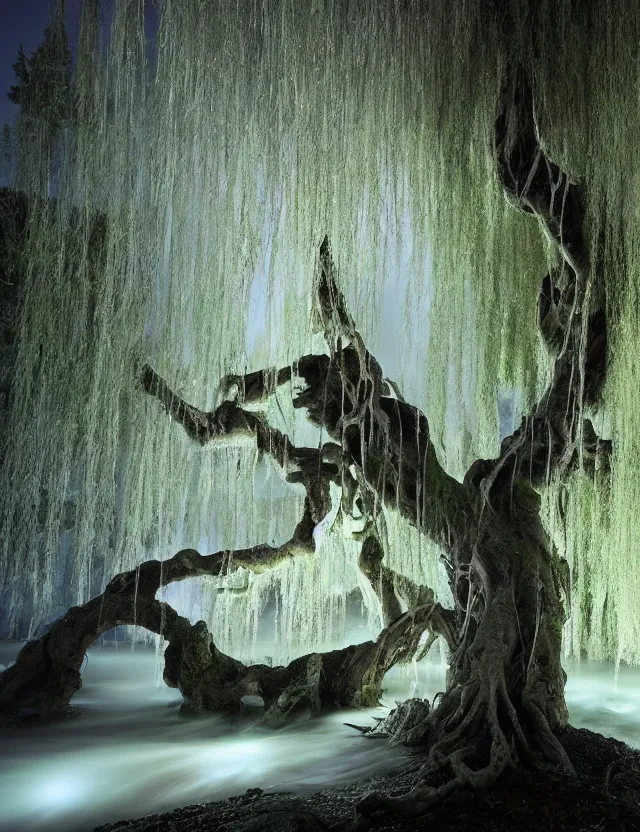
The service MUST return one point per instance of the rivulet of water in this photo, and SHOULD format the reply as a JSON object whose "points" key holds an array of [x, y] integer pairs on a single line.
{"points": [[130, 753]]}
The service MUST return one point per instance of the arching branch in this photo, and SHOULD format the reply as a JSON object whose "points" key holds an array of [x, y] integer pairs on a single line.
{"points": [[47, 672], [313, 468]]}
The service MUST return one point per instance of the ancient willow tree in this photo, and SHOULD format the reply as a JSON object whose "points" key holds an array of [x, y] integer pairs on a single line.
{"points": [[293, 197]]}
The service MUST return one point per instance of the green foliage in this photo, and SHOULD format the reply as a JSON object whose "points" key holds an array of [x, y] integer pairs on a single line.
{"points": [[43, 79], [17, 92]]}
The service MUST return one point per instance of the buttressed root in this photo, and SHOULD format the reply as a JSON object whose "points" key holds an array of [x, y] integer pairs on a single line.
{"points": [[46, 673]]}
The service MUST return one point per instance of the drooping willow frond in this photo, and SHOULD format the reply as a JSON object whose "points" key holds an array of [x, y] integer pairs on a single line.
{"points": [[180, 224]]}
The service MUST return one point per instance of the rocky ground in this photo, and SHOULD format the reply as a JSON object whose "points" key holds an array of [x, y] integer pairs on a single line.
{"points": [[604, 797]]}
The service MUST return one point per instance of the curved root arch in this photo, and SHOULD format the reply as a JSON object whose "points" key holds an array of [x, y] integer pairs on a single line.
{"points": [[47, 672]]}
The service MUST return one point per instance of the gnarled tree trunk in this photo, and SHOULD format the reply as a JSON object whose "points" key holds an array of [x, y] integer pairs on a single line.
{"points": [[504, 701]]}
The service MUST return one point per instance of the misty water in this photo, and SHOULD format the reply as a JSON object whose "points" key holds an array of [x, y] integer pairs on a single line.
{"points": [[130, 753]]}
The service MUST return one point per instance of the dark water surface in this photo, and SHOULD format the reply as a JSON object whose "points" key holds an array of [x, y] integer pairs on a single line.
{"points": [[130, 753]]}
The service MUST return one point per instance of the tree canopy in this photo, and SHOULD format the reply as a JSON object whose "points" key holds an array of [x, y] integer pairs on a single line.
{"points": [[330, 239], [43, 79]]}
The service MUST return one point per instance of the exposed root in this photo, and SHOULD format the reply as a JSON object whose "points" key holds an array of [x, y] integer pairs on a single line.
{"points": [[47, 672], [458, 752], [490, 718], [413, 804]]}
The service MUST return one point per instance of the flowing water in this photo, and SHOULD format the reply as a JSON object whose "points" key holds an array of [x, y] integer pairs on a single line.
{"points": [[130, 753]]}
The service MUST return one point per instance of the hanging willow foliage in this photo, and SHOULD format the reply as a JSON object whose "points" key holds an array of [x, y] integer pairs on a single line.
{"points": [[180, 225]]}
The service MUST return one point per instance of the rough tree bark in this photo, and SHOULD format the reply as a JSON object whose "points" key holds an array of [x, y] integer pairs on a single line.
{"points": [[504, 702], [47, 671]]}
